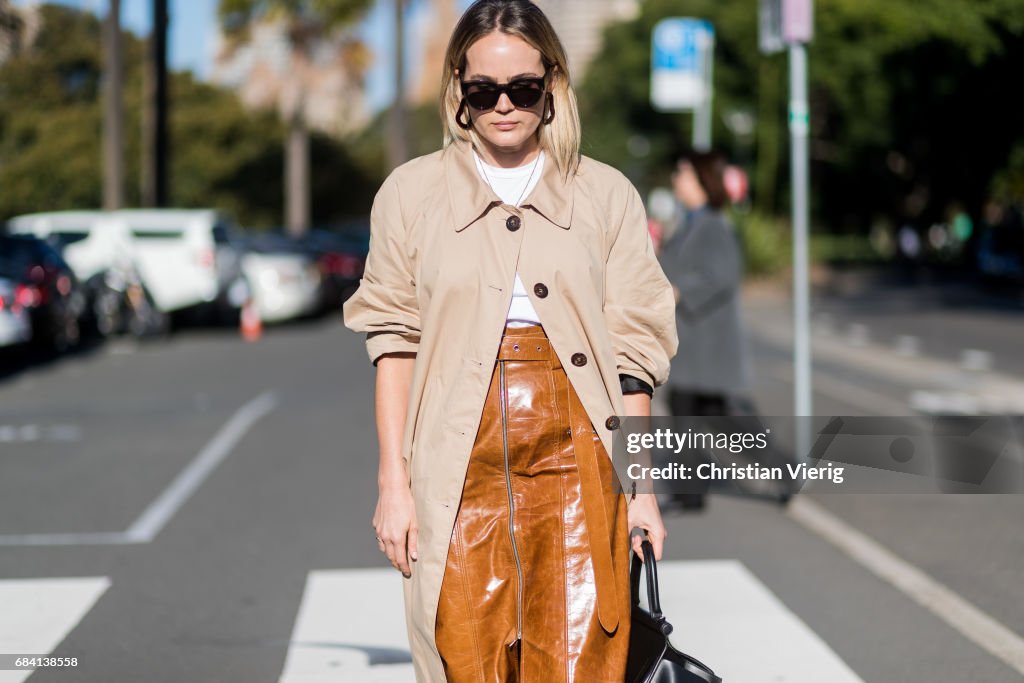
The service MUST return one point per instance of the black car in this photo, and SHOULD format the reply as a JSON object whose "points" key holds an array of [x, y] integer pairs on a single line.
{"points": [[340, 256], [47, 287]]}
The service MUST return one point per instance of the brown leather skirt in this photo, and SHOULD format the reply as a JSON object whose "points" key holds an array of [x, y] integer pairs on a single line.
{"points": [[536, 585]]}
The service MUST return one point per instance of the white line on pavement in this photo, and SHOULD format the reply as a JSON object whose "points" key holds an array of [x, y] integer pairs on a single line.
{"points": [[908, 345], [976, 360], [727, 618], [38, 614], [972, 623], [351, 626], [153, 519], [145, 528]]}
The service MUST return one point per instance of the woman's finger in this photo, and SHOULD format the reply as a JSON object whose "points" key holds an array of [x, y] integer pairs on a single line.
{"points": [[414, 537], [638, 540], [402, 555], [657, 542], [389, 550]]}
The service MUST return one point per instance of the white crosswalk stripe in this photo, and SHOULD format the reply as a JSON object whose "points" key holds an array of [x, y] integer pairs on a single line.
{"points": [[37, 614], [350, 627], [727, 618]]}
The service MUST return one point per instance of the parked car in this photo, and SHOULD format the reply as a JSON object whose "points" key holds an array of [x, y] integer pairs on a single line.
{"points": [[186, 258], [15, 325], [101, 257], [47, 287], [340, 258], [285, 280]]}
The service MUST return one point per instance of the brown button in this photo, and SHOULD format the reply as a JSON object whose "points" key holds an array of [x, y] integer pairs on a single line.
{"points": [[513, 223], [612, 422], [540, 290], [579, 360]]}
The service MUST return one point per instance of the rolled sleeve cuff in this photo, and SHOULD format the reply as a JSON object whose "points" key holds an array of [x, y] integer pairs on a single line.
{"points": [[380, 343]]}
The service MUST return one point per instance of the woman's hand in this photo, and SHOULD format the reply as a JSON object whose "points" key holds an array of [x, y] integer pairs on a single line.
{"points": [[643, 512], [395, 523], [395, 517]]}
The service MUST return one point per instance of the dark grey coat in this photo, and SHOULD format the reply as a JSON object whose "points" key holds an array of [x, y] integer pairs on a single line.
{"points": [[703, 260]]}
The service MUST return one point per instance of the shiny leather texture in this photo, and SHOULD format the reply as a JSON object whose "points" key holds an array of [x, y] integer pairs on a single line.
{"points": [[536, 584]]}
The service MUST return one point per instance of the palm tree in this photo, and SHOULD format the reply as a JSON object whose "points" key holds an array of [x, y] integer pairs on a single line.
{"points": [[307, 24], [10, 29]]}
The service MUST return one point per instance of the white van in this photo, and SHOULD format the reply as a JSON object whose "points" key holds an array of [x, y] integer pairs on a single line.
{"points": [[185, 257], [88, 249]]}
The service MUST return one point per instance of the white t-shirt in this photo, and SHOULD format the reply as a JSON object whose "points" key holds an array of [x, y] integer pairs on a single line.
{"points": [[513, 185]]}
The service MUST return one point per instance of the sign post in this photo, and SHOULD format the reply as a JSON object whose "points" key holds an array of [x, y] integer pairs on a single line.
{"points": [[790, 23], [682, 60]]}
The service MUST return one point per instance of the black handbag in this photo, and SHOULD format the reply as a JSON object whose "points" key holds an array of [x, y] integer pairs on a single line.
{"points": [[652, 659]]}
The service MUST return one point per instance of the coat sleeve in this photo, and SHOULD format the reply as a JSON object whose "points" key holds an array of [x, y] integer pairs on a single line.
{"points": [[639, 304], [385, 305], [705, 268]]}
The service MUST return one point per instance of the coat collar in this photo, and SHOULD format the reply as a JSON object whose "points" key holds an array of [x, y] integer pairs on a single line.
{"points": [[471, 198]]}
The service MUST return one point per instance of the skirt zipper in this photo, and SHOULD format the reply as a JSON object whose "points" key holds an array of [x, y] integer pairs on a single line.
{"points": [[511, 507]]}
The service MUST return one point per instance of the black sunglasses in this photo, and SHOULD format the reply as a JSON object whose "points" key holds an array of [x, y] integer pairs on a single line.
{"points": [[522, 92]]}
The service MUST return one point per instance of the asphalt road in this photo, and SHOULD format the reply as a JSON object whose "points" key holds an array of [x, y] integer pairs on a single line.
{"points": [[223, 478]]}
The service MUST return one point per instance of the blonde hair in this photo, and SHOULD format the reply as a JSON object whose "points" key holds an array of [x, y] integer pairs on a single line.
{"points": [[561, 137]]}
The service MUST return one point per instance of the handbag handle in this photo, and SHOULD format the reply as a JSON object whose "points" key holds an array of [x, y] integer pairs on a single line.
{"points": [[653, 596]]}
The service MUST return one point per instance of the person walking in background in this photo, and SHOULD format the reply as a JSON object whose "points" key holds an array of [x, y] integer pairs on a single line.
{"points": [[514, 309], [703, 261]]}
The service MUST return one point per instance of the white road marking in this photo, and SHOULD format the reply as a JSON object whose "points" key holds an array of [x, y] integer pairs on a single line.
{"points": [[908, 345], [38, 614], [145, 528], [976, 360], [160, 511], [995, 401], [351, 627], [726, 617], [944, 402], [972, 623], [30, 433]]}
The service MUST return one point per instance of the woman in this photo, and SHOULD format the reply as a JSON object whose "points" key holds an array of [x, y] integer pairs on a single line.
{"points": [[702, 259], [703, 262], [514, 309]]}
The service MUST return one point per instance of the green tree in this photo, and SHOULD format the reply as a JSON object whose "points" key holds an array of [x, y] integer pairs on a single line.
{"points": [[909, 102], [10, 28], [306, 24], [224, 155]]}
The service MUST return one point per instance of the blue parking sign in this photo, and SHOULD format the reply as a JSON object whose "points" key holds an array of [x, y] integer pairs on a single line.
{"points": [[681, 49]]}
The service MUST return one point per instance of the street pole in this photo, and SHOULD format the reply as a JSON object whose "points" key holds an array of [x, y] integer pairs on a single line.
{"points": [[799, 124], [160, 146], [398, 147], [154, 112], [702, 114], [113, 111]]}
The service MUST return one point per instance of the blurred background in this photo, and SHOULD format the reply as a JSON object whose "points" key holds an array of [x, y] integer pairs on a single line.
{"points": [[182, 178]]}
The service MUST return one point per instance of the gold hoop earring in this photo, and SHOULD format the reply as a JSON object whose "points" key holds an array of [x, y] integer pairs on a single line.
{"points": [[458, 116], [549, 110]]}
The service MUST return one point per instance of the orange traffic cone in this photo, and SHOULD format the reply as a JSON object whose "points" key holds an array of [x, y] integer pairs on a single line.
{"points": [[251, 325]]}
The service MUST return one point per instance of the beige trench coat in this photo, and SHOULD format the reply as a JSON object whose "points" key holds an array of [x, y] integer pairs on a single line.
{"points": [[444, 250]]}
